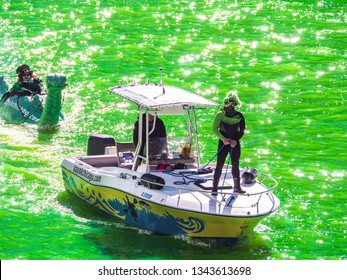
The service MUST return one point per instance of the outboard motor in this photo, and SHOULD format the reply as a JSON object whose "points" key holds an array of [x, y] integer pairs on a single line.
{"points": [[151, 181], [249, 176], [98, 142]]}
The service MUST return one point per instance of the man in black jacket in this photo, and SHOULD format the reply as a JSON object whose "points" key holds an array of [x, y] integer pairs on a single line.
{"points": [[229, 136], [157, 139]]}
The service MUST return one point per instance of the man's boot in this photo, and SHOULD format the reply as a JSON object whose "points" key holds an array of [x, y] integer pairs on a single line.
{"points": [[215, 187], [237, 187]]}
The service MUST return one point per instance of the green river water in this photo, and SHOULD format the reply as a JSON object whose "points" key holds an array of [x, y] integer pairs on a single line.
{"points": [[286, 59]]}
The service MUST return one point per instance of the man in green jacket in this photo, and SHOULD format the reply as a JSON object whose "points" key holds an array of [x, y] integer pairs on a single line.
{"points": [[229, 126]]}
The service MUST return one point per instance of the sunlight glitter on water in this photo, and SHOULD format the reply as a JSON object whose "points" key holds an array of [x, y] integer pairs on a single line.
{"points": [[280, 50]]}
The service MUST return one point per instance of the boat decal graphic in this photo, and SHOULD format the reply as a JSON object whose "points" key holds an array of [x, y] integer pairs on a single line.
{"points": [[19, 108], [131, 208], [103, 205], [86, 174], [192, 224], [89, 195], [144, 204], [146, 195], [71, 185], [244, 227]]}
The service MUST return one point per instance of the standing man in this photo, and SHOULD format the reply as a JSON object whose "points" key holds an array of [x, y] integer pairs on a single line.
{"points": [[229, 133], [157, 139]]}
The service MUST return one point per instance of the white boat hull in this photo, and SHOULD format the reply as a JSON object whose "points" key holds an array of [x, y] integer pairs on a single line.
{"points": [[178, 208]]}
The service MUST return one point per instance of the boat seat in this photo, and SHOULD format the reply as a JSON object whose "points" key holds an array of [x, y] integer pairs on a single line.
{"points": [[101, 160]]}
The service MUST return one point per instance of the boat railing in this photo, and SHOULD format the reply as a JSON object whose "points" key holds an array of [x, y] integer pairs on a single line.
{"points": [[268, 189]]}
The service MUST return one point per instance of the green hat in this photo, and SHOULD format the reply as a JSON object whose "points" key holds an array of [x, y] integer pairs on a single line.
{"points": [[231, 99]]}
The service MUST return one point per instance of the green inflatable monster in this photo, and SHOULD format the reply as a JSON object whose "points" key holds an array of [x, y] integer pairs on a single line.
{"points": [[26, 103]]}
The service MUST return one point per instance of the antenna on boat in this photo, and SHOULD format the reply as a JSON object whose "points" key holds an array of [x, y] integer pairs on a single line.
{"points": [[161, 79]]}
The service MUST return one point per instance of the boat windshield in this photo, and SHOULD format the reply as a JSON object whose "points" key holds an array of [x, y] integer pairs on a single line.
{"points": [[177, 146], [157, 148]]}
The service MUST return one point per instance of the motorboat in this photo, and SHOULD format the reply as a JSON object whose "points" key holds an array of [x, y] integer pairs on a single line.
{"points": [[24, 106], [167, 192]]}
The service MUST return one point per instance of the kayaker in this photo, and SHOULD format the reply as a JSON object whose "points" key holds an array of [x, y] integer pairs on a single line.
{"points": [[27, 82]]}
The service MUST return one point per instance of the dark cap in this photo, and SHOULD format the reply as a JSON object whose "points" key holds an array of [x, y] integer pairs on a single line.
{"points": [[22, 69]]}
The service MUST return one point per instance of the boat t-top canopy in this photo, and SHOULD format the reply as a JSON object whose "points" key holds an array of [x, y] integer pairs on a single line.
{"points": [[168, 99], [160, 100]]}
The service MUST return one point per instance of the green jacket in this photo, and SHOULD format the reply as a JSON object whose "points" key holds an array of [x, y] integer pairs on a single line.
{"points": [[218, 119]]}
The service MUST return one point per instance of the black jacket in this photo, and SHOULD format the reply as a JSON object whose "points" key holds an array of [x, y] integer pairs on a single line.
{"points": [[159, 130]]}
